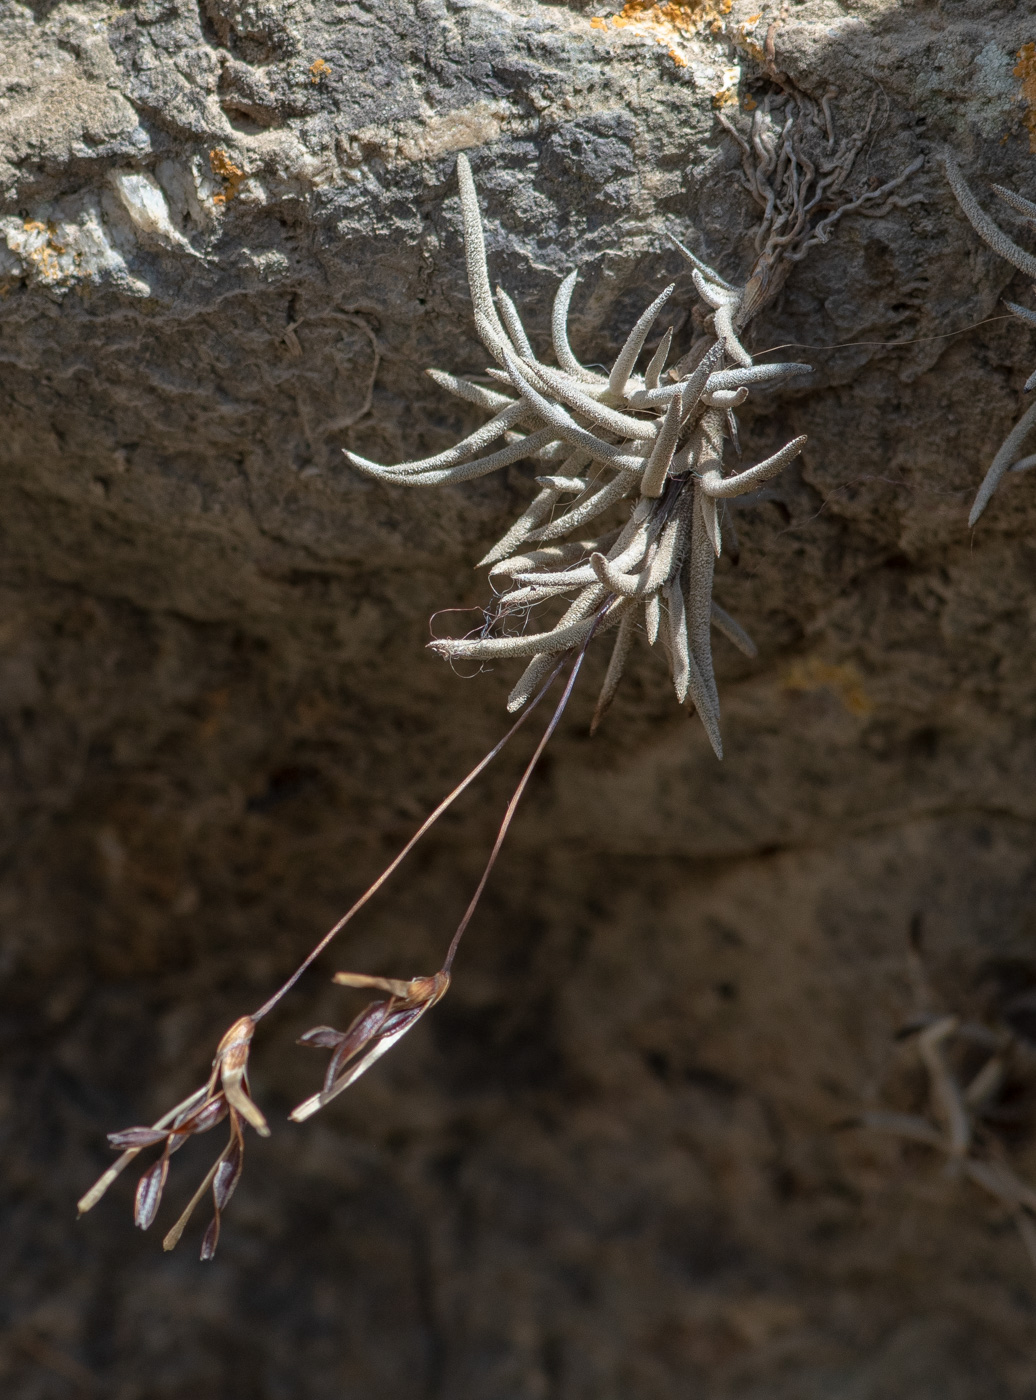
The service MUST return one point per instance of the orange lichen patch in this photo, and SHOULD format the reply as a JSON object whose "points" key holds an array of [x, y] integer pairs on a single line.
{"points": [[1025, 72], [232, 175], [318, 70], [685, 16], [747, 42], [43, 250], [669, 21], [812, 673], [748, 45], [726, 94]]}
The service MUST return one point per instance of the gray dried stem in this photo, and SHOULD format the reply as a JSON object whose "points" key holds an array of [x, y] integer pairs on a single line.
{"points": [[961, 1112], [796, 168]]}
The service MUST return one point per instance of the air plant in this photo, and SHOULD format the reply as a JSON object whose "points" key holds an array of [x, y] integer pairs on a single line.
{"points": [[655, 438], [638, 457], [1007, 458]]}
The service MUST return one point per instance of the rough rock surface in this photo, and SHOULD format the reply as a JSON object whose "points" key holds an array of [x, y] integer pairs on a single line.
{"points": [[607, 1165]]}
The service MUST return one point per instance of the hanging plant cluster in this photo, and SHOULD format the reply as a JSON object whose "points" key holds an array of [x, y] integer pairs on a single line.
{"points": [[632, 493], [630, 515]]}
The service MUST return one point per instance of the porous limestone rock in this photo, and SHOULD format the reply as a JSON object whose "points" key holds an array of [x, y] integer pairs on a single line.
{"points": [[609, 1164]]}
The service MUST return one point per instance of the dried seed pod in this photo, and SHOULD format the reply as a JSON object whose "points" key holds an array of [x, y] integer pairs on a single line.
{"points": [[376, 1029], [226, 1094]]}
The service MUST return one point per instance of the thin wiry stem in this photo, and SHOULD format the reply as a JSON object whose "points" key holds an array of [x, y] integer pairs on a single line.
{"points": [[398, 860], [386, 1020], [512, 807], [227, 1094]]}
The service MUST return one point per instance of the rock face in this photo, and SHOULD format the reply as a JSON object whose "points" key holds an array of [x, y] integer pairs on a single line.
{"points": [[609, 1163]]}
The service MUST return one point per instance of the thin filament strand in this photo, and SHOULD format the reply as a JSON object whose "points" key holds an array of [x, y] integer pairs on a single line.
{"points": [[426, 825]]}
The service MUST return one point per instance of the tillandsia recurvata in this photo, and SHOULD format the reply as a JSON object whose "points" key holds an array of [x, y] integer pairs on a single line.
{"points": [[636, 457], [1008, 458], [633, 463]]}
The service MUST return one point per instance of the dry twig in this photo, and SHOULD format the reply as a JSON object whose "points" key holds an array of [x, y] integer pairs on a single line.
{"points": [[960, 1113]]}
